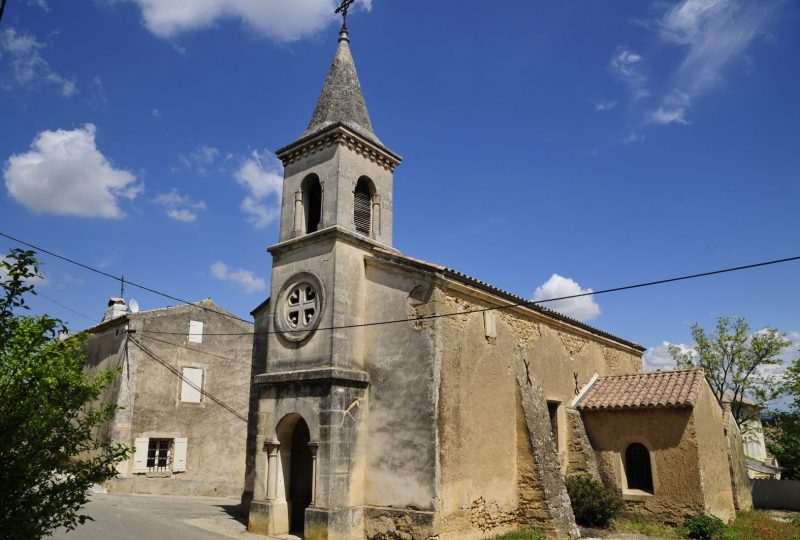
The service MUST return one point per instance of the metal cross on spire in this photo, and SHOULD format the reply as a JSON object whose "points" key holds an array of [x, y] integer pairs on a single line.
{"points": [[343, 9]]}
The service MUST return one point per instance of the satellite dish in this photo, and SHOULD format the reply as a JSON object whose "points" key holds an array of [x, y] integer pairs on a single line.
{"points": [[134, 305]]}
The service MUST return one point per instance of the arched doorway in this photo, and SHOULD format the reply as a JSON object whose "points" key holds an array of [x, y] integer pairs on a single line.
{"points": [[300, 480]]}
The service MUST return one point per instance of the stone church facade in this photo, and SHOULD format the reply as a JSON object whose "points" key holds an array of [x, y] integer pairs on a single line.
{"points": [[426, 425]]}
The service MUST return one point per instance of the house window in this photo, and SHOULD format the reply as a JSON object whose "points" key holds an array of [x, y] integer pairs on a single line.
{"points": [[191, 385], [195, 332], [637, 468], [159, 455], [362, 206]]}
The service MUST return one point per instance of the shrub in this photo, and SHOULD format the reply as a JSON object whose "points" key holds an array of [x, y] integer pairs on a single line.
{"points": [[703, 528], [593, 504]]}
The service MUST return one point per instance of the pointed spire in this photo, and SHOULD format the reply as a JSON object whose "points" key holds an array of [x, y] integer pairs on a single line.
{"points": [[341, 100]]}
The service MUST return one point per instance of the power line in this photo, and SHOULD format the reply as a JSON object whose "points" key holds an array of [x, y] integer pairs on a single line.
{"points": [[144, 333], [175, 371], [526, 303], [121, 279], [56, 302]]}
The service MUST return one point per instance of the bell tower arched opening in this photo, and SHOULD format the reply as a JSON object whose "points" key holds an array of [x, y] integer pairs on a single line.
{"points": [[312, 203], [362, 206]]}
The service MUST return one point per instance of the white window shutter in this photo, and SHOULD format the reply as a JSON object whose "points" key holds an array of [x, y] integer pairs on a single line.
{"points": [[140, 455], [191, 385], [195, 332], [179, 455]]}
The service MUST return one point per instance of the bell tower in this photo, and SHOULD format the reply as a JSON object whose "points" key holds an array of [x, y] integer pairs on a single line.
{"points": [[338, 173], [336, 209]]}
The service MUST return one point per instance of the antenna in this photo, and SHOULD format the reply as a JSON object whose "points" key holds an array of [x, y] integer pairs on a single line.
{"points": [[134, 305], [122, 286]]}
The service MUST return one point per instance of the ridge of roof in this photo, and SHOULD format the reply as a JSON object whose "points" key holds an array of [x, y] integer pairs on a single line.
{"points": [[524, 302], [678, 388], [127, 316]]}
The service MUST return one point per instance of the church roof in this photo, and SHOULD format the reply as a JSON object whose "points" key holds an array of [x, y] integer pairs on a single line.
{"points": [[660, 389], [469, 280], [341, 100]]}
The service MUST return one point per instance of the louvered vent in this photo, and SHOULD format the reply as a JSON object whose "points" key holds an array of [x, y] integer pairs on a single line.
{"points": [[362, 211]]}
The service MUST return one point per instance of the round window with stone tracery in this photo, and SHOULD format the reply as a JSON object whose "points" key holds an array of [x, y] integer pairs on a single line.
{"points": [[302, 306], [299, 306]]}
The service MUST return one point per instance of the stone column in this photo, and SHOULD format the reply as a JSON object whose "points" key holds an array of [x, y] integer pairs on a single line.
{"points": [[376, 216], [298, 212], [272, 469], [313, 446], [321, 205]]}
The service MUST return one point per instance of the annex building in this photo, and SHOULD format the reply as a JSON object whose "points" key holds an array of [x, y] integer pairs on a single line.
{"points": [[462, 420]]}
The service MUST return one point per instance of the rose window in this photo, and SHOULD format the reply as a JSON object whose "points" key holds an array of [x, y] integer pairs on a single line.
{"points": [[302, 306]]}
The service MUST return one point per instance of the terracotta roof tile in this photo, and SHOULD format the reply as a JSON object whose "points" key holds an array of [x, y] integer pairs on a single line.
{"points": [[679, 388]]}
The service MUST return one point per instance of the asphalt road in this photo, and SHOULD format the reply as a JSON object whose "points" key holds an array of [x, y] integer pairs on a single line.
{"points": [[132, 517]]}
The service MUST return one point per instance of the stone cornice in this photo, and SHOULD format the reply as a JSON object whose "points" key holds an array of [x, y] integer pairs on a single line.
{"points": [[335, 232], [338, 134], [327, 375]]}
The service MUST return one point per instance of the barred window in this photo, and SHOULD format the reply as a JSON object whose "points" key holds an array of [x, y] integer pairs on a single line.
{"points": [[159, 455], [637, 468]]}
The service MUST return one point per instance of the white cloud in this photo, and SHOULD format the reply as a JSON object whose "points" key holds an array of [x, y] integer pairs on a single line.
{"points": [[715, 33], [97, 94], [201, 160], [180, 207], [65, 174], [156, 113], [625, 64], [582, 309], [262, 176], [659, 358], [281, 20], [245, 279], [604, 105], [666, 116], [28, 67], [634, 138], [39, 3]]}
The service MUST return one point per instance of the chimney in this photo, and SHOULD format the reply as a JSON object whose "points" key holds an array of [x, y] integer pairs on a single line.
{"points": [[116, 308]]}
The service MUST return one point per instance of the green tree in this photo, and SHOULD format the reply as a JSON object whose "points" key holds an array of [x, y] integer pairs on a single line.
{"points": [[783, 438], [736, 363], [49, 411]]}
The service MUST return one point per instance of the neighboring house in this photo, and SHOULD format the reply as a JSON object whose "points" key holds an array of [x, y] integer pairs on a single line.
{"points": [[760, 463], [381, 415], [182, 394], [659, 438]]}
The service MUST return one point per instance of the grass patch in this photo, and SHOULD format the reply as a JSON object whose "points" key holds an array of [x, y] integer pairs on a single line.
{"points": [[648, 529], [524, 534], [757, 526]]}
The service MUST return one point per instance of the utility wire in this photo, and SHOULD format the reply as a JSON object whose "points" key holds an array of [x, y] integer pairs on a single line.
{"points": [[121, 279], [523, 303], [173, 370], [56, 302], [144, 333]]}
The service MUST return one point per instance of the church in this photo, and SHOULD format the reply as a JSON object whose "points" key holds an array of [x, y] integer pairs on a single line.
{"points": [[400, 399]]}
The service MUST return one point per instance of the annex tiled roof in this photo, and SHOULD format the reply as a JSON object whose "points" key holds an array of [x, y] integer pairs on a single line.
{"points": [[661, 389], [469, 280]]}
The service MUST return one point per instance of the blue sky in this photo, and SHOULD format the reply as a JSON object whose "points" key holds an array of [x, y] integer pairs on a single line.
{"points": [[605, 143]]}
